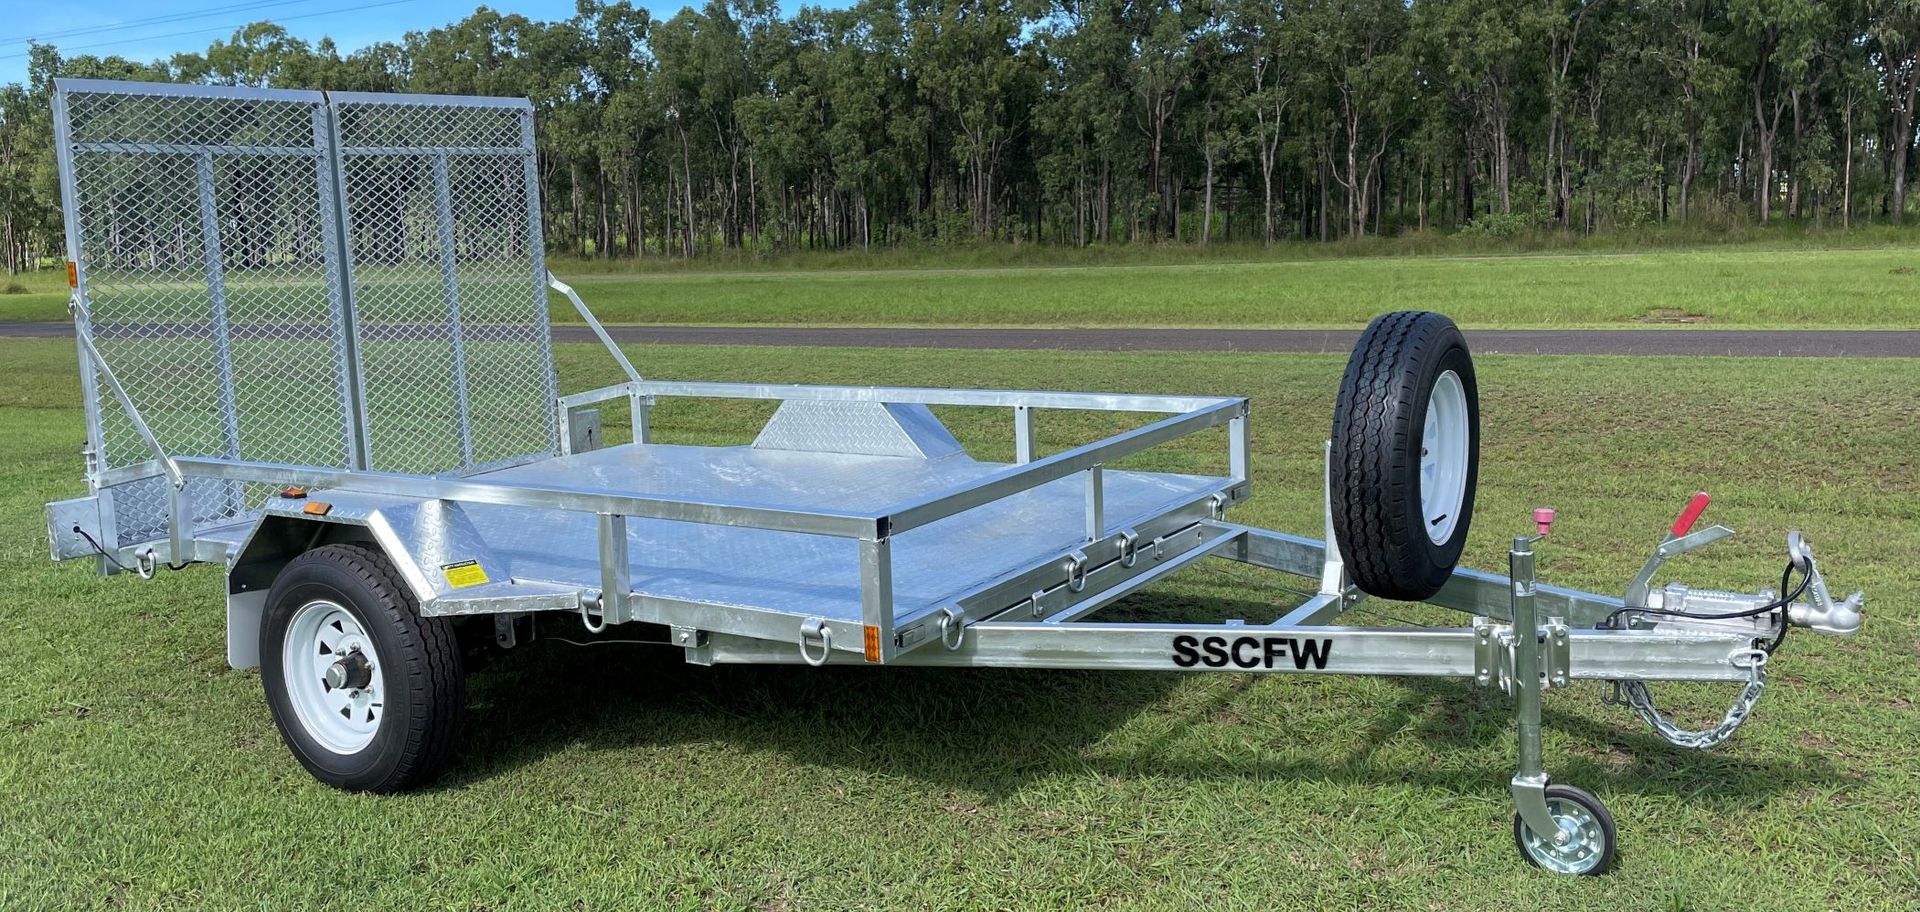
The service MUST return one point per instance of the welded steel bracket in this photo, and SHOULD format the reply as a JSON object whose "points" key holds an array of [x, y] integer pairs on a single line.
{"points": [[694, 641], [1490, 662], [1530, 802], [1493, 654]]}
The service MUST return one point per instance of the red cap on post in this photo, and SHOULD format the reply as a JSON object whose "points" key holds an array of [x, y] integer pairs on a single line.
{"points": [[1543, 519], [1691, 514]]}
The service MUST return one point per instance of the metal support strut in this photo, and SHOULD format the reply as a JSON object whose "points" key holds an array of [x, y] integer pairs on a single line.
{"points": [[1529, 643]]}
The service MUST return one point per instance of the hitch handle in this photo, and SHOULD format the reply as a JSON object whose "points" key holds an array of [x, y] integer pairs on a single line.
{"points": [[1691, 514]]}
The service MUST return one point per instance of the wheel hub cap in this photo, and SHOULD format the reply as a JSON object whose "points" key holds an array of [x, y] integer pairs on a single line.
{"points": [[351, 671]]}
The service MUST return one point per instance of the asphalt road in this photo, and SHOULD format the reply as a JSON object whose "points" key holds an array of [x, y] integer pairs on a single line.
{"points": [[1792, 343]]}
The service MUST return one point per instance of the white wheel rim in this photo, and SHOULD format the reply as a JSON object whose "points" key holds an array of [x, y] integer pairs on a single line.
{"points": [[1585, 845], [341, 707], [1443, 458]]}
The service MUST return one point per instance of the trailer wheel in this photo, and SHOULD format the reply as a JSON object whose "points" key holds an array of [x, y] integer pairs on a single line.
{"points": [[368, 694], [1588, 848], [1406, 455]]}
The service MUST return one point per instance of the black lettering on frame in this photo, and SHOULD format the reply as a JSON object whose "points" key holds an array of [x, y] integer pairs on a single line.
{"points": [[1183, 652], [1311, 651], [1242, 654], [1216, 651]]}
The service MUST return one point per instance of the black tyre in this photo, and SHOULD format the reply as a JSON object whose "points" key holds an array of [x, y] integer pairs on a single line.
{"points": [[1588, 847], [368, 694], [1406, 455]]}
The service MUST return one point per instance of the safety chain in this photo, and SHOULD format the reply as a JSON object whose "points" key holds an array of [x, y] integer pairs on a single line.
{"points": [[1636, 695]]}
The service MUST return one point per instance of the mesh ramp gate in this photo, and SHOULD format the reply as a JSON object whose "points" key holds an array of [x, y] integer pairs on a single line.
{"points": [[449, 287], [345, 281]]}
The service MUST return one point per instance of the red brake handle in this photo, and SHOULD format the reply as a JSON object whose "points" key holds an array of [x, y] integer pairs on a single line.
{"points": [[1691, 514]]}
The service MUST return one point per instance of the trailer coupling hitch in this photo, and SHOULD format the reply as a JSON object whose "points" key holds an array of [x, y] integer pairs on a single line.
{"points": [[1824, 615], [1764, 616], [1678, 606]]}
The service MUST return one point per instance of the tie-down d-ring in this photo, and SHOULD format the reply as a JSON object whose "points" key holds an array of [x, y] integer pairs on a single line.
{"points": [[596, 602], [1129, 547], [816, 628], [1076, 570], [953, 630]]}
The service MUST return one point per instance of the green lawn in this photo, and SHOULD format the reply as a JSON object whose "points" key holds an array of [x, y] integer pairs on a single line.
{"points": [[141, 773], [1774, 288], [1762, 285]]}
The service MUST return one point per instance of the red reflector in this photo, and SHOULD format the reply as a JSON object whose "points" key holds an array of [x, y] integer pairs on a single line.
{"points": [[293, 492]]}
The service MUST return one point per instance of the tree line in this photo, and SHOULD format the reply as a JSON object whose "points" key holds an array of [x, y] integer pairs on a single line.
{"points": [[1082, 122]]}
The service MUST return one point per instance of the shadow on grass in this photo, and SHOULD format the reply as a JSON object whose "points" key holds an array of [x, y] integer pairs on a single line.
{"points": [[992, 730]]}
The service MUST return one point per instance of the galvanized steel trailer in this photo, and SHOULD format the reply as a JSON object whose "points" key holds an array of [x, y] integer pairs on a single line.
{"points": [[315, 349]]}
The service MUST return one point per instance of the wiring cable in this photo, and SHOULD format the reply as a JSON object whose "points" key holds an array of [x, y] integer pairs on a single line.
{"points": [[103, 552], [1782, 602]]}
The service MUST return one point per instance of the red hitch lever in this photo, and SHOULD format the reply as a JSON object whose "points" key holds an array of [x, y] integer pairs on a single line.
{"points": [[1691, 514]]}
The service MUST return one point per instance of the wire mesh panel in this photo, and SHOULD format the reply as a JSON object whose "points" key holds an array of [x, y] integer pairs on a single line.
{"points": [[202, 226], [448, 282]]}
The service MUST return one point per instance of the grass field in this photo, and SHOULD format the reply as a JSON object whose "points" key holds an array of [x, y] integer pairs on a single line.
{"points": [[1761, 285], [142, 773]]}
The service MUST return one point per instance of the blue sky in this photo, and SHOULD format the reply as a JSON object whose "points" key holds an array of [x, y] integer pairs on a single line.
{"points": [[352, 24]]}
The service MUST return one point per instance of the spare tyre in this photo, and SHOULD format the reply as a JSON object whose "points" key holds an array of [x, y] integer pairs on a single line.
{"points": [[1406, 455]]}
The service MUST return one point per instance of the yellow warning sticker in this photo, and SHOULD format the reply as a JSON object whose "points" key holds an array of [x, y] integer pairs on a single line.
{"points": [[465, 573]]}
